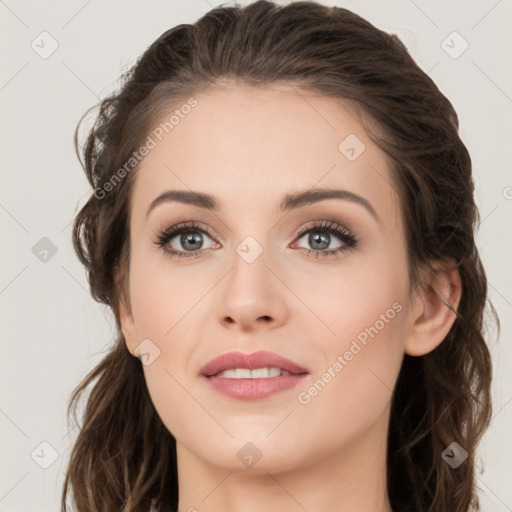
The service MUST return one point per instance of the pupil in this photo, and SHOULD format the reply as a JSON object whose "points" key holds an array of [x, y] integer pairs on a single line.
{"points": [[319, 238], [191, 238]]}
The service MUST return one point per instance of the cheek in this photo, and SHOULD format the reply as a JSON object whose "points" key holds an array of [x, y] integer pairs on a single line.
{"points": [[363, 317], [167, 310], [351, 394], [351, 296], [160, 297]]}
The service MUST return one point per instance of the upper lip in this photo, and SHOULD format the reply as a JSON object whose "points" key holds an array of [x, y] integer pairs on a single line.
{"points": [[261, 359]]}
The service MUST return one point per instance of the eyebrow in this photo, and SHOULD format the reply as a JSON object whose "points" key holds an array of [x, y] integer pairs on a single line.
{"points": [[289, 202]]}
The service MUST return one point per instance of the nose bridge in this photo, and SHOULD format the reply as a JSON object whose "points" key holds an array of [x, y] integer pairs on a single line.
{"points": [[251, 293]]}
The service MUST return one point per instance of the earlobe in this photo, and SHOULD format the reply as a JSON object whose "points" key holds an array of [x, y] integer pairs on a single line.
{"points": [[432, 311]]}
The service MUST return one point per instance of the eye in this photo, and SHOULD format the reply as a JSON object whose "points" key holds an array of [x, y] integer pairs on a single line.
{"points": [[184, 240], [319, 237]]}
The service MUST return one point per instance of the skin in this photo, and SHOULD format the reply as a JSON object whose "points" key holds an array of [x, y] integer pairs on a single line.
{"points": [[249, 147]]}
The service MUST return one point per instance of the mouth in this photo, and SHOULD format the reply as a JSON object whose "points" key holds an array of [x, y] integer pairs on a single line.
{"points": [[263, 364], [252, 376], [257, 373]]}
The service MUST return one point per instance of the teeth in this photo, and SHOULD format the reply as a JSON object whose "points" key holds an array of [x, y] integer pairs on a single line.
{"points": [[257, 373]]}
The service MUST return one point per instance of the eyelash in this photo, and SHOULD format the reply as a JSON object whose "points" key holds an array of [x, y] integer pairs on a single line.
{"points": [[349, 240]]}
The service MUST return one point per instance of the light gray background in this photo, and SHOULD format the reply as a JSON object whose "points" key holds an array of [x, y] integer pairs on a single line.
{"points": [[53, 333]]}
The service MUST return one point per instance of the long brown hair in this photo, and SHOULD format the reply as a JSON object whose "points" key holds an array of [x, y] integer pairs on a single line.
{"points": [[124, 458]]}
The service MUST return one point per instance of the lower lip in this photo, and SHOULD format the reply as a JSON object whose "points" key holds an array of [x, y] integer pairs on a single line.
{"points": [[253, 389]]}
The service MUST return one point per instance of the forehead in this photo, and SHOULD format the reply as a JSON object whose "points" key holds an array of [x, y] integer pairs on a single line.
{"points": [[249, 146]]}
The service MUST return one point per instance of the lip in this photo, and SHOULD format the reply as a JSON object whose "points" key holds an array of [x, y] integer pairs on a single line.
{"points": [[251, 389], [252, 361]]}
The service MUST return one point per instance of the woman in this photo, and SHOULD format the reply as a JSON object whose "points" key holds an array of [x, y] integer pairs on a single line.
{"points": [[282, 221]]}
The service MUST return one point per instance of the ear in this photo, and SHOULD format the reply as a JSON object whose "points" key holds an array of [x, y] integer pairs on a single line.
{"points": [[126, 320], [432, 317], [128, 326]]}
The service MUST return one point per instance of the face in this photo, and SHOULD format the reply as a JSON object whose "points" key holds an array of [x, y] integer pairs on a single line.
{"points": [[322, 283]]}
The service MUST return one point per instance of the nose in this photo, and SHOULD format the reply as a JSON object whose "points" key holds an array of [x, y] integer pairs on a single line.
{"points": [[252, 297]]}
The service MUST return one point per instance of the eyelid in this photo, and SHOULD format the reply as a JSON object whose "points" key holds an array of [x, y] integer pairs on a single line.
{"points": [[188, 224], [345, 235]]}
